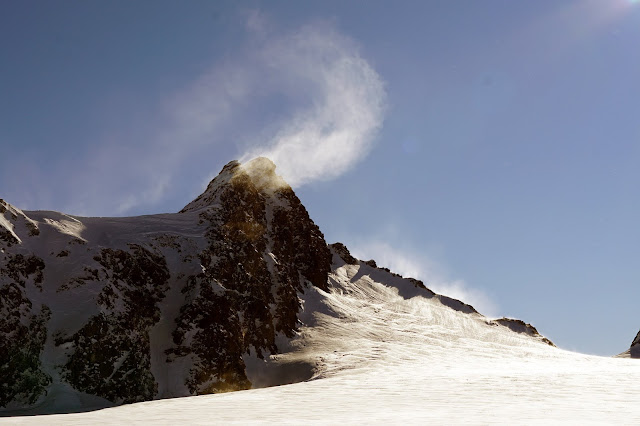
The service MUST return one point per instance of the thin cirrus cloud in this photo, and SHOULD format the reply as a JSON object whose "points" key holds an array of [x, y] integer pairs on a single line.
{"points": [[306, 99]]}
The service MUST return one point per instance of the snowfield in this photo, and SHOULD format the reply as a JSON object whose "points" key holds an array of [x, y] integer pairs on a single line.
{"points": [[381, 353]]}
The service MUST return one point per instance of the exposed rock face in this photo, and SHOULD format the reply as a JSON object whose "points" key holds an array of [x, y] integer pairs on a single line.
{"points": [[342, 251], [634, 349], [636, 341], [262, 249], [110, 354], [23, 329], [130, 309], [520, 326], [24, 332]]}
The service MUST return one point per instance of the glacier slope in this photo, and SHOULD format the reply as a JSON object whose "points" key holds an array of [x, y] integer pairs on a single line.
{"points": [[383, 353]]}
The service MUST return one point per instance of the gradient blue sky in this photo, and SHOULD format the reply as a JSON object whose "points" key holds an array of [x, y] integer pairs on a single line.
{"points": [[491, 148]]}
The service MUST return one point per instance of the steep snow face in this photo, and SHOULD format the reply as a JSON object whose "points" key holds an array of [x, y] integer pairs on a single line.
{"points": [[211, 196], [132, 309], [13, 222], [386, 351]]}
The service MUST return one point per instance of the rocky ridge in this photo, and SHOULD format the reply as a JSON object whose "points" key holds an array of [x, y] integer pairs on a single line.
{"points": [[634, 349], [515, 325]]}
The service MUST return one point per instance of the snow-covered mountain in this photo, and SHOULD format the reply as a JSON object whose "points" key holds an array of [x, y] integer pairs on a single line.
{"points": [[239, 290], [132, 309]]}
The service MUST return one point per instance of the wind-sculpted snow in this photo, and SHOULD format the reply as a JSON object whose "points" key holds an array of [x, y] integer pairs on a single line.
{"points": [[385, 352]]}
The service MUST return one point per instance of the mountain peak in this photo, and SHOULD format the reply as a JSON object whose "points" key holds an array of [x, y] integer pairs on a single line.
{"points": [[259, 173], [262, 172]]}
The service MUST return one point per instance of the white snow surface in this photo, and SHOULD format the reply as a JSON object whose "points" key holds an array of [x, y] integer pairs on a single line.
{"points": [[383, 354]]}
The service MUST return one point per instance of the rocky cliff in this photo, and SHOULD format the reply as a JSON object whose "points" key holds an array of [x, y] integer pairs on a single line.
{"points": [[634, 349], [130, 309]]}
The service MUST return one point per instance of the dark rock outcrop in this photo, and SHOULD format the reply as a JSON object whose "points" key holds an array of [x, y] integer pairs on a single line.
{"points": [[110, 355], [520, 326], [235, 261], [343, 252], [634, 349], [262, 250], [23, 322], [636, 341]]}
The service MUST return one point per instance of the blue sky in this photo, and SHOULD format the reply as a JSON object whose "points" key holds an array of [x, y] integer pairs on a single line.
{"points": [[491, 148]]}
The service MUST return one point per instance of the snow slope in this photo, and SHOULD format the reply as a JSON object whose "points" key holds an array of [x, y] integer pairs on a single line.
{"points": [[386, 351]]}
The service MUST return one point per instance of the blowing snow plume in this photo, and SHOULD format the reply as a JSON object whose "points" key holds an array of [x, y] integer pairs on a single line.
{"points": [[306, 99], [345, 106], [416, 264]]}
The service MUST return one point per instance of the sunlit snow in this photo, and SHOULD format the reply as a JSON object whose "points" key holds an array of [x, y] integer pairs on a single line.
{"points": [[384, 354]]}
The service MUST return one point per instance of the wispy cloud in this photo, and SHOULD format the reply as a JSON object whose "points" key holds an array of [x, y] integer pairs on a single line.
{"points": [[306, 99], [418, 265]]}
